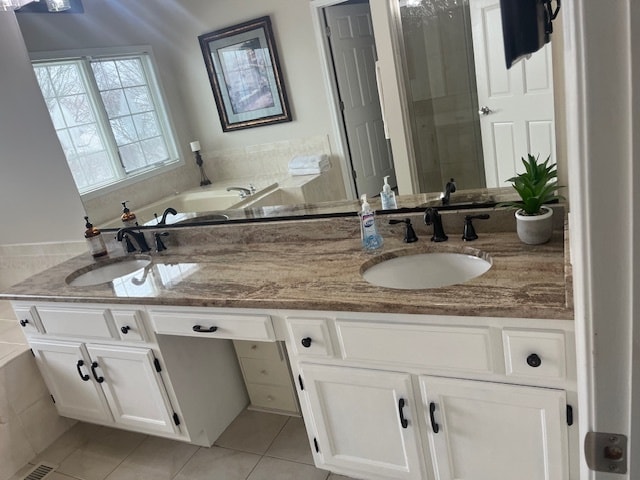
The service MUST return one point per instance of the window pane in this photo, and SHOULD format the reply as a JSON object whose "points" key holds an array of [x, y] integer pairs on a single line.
{"points": [[124, 131], [146, 125], [154, 150], [139, 99], [55, 113], [106, 75], [76, 110], [131, 72], [86, 139], [115, 103], [45, 84], [66, 79], [132, 157]]}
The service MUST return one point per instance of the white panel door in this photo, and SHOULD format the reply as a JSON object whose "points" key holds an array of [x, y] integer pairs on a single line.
{"points": [[66, 369], [354, 56], [135, 391], [520, 118], [490, 431], [358, 416]]}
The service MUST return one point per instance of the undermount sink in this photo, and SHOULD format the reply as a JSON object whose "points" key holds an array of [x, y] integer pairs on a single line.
{"points": [[424, 270], [107, 270]]}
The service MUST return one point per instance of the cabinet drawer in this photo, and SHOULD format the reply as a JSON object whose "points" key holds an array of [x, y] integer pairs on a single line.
{"points": [[28, 318], [77, 322], [129, 324], [435, 347], [213, 325], [535, 354], [267, 350], [310, 337], [272, 396], [257, 370]]}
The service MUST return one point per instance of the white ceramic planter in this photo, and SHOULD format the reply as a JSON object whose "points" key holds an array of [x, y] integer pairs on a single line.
{"points": [[535, 229]]}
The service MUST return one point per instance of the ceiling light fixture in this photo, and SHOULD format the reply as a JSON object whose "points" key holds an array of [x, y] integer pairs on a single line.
{"points": [[57, 5], [6, 5]]}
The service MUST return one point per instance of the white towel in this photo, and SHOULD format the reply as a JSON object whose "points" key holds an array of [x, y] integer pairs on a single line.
{"points": [[309, 165]]}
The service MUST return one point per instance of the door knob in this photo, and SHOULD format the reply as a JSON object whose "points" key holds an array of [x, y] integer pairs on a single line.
{"points": [[485, 110]]}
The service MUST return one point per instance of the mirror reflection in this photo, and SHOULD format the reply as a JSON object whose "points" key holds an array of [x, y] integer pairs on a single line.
{"points": [[466, 121]]}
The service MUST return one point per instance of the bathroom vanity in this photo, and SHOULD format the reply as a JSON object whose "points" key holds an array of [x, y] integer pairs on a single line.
{"points": [[469, 381]]}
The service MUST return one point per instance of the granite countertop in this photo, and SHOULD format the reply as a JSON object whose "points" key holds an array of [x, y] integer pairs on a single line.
{"points": [[315, 265]]}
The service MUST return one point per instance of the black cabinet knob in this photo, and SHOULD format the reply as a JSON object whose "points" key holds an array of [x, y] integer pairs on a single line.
{"points": [[306, 342], [24, 322], [534, 360], [125, 329]]}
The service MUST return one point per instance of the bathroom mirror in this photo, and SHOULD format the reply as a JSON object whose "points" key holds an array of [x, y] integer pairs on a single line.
{"points": [[171, 29]]}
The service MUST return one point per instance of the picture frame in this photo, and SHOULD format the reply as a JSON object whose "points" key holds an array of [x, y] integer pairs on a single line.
{"points": [[245, 75]]}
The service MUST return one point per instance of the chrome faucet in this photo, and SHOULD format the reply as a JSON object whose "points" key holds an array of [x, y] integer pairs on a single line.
{"points": [[127, 234], [431, 215], [244, 192]]}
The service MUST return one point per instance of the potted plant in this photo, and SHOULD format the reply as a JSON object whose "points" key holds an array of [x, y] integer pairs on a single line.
{"points": [[537, 185]]}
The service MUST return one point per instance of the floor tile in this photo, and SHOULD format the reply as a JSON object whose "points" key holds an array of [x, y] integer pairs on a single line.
{"points": [[68, 442], [217, 463], [100, 456], [59, 476], [335, 476], [273, 468], [252, 431], [156, 458], [292, 443]]}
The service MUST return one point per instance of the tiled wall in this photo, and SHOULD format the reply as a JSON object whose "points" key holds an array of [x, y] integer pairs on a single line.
{"points": [[258, 164], [29, 422]]}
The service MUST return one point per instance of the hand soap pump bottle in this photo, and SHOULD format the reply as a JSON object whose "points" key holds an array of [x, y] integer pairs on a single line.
{"points": [[387, 196], [371, 239], [128, 217], [97, 248]]}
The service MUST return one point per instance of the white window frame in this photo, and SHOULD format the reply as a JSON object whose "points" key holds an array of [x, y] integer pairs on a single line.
{"points": [[159, 98]]}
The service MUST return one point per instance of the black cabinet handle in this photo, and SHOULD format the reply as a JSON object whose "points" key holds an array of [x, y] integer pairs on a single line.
{"points": [[85, 378], [125, 329], [24, 322], [306, 342], [434, 426], [199, 329], [94, 365], [534, 360], [403, 421]]}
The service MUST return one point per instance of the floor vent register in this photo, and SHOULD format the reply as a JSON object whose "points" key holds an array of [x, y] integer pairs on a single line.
{"points": [[40, 472]]}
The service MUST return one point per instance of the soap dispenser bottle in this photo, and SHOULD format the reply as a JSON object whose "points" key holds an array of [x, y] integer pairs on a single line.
{"points": [[128, 217], [371, 239], [387, 196], [97, 248]]}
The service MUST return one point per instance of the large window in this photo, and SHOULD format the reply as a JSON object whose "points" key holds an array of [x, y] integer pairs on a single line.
{"points": [[109, 117]]}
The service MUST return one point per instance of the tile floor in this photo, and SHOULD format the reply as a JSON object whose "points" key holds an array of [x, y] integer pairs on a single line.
{"points": [[256, 446]]}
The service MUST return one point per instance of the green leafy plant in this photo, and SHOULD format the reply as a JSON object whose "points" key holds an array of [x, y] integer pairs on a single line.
{"points": [[536, 186]]}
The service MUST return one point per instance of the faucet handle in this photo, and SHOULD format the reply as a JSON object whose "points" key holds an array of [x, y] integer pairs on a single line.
{"points": [[129, 244], [160, 246], [409, 233], [469, 233]]}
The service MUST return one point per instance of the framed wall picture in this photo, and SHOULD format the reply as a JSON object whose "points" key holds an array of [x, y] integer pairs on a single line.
{"points": [[244, 71]]}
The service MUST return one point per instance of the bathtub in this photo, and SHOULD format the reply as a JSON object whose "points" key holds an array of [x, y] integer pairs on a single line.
{"points": [[186, 203]]}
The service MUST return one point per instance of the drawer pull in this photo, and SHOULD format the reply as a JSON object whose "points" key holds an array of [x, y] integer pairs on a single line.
{"points": [[403, 421], [125, 329], [199, 329], [84, 377], [94, 365], [254, 347], [534, 360], [306, 342], [24, 322], [263, 372], [434, 426], [270, 398]]}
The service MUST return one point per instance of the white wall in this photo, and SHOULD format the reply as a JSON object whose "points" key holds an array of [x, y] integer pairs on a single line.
{"points": [[39, 199]]}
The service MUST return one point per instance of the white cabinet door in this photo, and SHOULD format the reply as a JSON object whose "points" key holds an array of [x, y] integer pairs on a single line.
{"points": [[490, 431], [66, 369], [365, 421], [135, 391]]}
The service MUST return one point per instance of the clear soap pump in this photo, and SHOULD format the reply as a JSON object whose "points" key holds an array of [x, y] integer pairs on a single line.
{"points": [[387, 196], [371, 239]]}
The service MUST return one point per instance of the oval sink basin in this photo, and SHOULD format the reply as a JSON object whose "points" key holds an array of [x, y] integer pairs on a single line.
{"points": [[107, 271], [425, 270]]}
